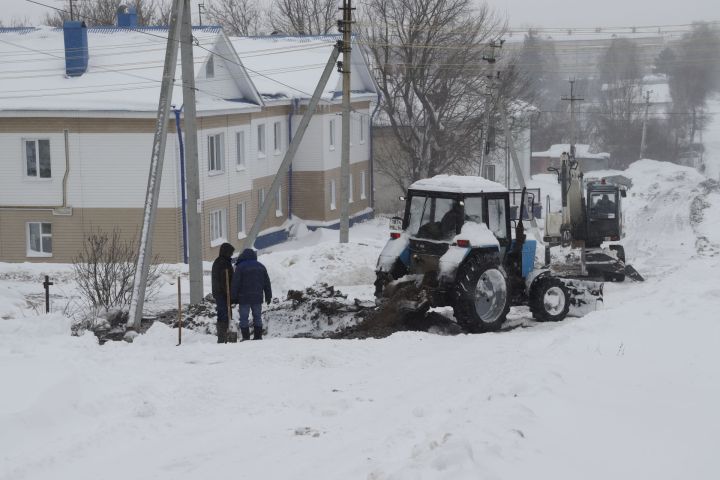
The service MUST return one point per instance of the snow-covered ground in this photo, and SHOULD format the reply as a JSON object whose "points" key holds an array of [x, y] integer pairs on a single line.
{"points": [[630, 391]]}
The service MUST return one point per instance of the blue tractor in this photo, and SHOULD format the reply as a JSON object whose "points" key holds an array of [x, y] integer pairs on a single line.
{"points": [[455, 247]]}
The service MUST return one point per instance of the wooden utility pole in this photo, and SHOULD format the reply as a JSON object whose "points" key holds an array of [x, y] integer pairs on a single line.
{"points": [[572, 99], [643, 140], [345, 150], [192, 168], [157, 157]]}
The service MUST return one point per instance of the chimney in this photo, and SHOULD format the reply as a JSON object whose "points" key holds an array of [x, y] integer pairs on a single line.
{"points": [[76, 48], [126, 17]]}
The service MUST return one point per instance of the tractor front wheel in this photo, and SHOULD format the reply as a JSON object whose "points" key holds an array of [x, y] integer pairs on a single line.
{"points": [[549, 299], [482, 294]]}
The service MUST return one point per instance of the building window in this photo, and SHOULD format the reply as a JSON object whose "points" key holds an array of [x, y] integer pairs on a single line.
{"points": [[241, 219], [277, 137], [362, 128], [278, 203], [218, 227], [362, 185], [39, 239], [215, 153], [37, 158], [333, 206], [240, 150], [350, 189], [489, 172], [261, 139], [261, 198], [332, 134], [210, 67]]}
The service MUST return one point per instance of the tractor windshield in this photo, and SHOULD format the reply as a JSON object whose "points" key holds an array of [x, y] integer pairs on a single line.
{"points": [[434, 218]]}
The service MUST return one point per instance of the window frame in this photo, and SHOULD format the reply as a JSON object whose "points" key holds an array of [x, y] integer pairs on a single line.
{"points": [[29, 252], [490, 168], [331, 134], [36, 141], [241, 216], [216, 143], [240, 150], [221, 214], [277, 138], [333, 191], [362, 129], [278, 203], [261, 142], [363, 186]]}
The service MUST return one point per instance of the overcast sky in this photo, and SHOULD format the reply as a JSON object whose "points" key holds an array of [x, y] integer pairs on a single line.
{"points": [[544, 13]]}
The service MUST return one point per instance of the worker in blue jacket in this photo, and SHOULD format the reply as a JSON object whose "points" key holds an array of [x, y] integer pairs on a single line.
{"points": [[250, 281]]}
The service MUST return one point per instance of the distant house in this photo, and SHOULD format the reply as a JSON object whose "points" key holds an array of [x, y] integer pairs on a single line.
{"points": [[77, 126], [551, 158]]}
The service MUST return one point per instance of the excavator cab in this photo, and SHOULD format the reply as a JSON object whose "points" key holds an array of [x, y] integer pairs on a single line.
{"points": [[604, 213]]}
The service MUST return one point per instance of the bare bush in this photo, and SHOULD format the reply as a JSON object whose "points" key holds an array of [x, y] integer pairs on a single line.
{"points": [[105, 272]]}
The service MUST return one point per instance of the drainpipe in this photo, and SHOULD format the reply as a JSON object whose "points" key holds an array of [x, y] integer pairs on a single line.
{"points": [[293, 110], [182, 182], [372, 156]]}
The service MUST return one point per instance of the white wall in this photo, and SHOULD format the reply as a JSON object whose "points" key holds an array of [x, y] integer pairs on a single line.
{"points": [[315, 153]]}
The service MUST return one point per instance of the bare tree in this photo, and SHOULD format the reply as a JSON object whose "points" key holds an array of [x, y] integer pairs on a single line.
{"points": [[105, 270], [694, 75], [104, 12], [427, 57], [237, 17], [303, 17], [616, 121]]}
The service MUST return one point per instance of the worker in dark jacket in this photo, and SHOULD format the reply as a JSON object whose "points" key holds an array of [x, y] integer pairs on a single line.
{"points": [[249, 283], [222, 270]]}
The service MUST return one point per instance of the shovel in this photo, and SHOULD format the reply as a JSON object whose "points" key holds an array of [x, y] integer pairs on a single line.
{"points": [[232, 335]]}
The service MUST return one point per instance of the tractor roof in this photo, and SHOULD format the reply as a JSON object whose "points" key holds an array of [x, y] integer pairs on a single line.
{"points": [[458, 184]]}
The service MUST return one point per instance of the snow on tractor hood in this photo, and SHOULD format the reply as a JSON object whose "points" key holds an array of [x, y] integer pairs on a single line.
{"points": [[478, 234], [458, 184]]}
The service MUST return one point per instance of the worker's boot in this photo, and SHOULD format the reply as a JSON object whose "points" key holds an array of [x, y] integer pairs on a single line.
{"points": [[222, 328], [258, 333], [245, 333]]}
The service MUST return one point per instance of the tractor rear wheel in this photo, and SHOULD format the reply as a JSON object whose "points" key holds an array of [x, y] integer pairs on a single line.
{"points": [[549, 299], [482, 294]]}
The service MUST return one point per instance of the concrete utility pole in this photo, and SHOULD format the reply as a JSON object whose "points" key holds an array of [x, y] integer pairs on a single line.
{"points": [[345, 150], [292, 148], [192, 169], [643, 144], [513, 154], [572, 99], [485, 132], [156, 163]]}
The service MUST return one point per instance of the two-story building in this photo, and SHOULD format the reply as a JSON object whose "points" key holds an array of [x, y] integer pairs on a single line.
{"points": [[77, 121]]}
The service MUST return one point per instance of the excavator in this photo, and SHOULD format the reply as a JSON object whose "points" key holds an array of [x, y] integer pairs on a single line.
{"points": [[591, 216]]}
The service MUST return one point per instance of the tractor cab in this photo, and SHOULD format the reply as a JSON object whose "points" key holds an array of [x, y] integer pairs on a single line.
{"points": [[445, 215], [604, 212]]}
